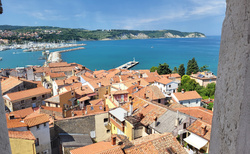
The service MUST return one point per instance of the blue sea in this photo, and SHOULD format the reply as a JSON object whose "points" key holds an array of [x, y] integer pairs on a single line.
{"points": [[110, 54]]}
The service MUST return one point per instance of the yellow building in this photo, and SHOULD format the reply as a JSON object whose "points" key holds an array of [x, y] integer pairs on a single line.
{"points": [[22, 142], [122, 124]]}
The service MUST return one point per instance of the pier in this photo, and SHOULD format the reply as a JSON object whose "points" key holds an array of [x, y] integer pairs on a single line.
{"points": [[128, 65], [70, 49]]}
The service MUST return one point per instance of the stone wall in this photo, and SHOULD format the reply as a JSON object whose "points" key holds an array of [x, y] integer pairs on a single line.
{"points": [[28, 102], [4, 137], [231, 118]]}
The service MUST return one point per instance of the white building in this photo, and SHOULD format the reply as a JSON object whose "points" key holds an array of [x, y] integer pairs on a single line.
{"points": [[188, 99], [38, 124], [167, 86]]}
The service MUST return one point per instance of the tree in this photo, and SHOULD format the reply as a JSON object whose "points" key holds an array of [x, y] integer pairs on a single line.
{"points": [[175, 70], [152, 69], [181, 70], [204, 68], [164, 69], [192, 67]]}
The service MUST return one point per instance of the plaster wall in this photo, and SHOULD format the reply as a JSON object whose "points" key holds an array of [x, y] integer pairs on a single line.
{"points": [[231, 116]]}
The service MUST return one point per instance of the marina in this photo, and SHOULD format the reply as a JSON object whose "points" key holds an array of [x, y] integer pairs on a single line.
{"points": [[128, 65]]}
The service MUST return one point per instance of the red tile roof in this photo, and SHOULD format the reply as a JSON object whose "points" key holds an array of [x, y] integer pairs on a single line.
{"points": [[198, 112], [156, 143], [27, 135], [56, 75], [61, 64], [187, 95], [9, 83], [15, 123], [100, 147], [36, 119], [21, 95], [198, 128], [164, 81], [22, 113]]}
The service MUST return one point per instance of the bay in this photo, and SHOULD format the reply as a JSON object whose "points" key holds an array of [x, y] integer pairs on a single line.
{"points": [[111, 54]]}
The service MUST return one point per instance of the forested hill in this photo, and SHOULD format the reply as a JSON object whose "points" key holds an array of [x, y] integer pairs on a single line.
{"points": [[48, 33]]}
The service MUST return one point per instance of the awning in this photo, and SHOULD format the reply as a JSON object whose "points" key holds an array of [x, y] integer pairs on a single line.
{"points": [[196, 141]]}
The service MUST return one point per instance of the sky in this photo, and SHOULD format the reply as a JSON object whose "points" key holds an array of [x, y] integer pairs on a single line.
{"points": [[204, 16]]}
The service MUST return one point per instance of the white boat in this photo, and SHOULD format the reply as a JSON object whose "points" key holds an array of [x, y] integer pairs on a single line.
{"points": [[1, 58]]}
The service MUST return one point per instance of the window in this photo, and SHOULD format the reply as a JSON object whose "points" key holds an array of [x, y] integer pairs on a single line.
{"points": [[159, 101], [184, 125], [44, 124], [169, 86], [37, 126], [91, 108], [43, 96], [181, 103], [72, 93], [37, 142], [22, 101], [108, 131], [196, 101], [105, 120], [33, 98]]}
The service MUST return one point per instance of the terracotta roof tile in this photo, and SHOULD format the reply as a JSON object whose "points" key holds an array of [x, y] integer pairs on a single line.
{"points": [[61, 64], [36, 119], [15, 123], [198, 112], [158, 143], [56, 109], [198, 128], [97, 102], [56, 75], [27, 135], [164, 81], [187, 95], [22, 113], [9, 83], [26, 93], [99, 147], [103, 82]]}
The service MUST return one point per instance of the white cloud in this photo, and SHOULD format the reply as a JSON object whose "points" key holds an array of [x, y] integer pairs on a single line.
{"points": [[197, 9]]}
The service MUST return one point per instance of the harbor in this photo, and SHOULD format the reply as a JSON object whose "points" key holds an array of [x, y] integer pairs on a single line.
{"points": [[128, 65]]}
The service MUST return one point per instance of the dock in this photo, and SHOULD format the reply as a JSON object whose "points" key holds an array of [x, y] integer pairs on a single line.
{"points": [[70, 50], [128, 65]]}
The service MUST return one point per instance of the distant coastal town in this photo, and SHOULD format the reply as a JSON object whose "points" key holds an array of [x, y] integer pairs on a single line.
{"points": [[67, 107], [21, 34]]}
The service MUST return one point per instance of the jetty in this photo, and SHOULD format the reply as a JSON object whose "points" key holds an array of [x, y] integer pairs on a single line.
{"points": [[70, 49], [128, 65]]}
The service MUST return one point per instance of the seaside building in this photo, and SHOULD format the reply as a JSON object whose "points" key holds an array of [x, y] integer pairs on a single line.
{"points": [[188, 98], [167, 86], [204, 78]]}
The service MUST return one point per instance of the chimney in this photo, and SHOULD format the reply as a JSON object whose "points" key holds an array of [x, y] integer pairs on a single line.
{"points": [[177, 119], [138, 82], [113, 140], [131, 108], [155, 119], [63, 82], [203, 130], [140, 115], [72, 114], [99, 84], [182, 91], [145, 96]]}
